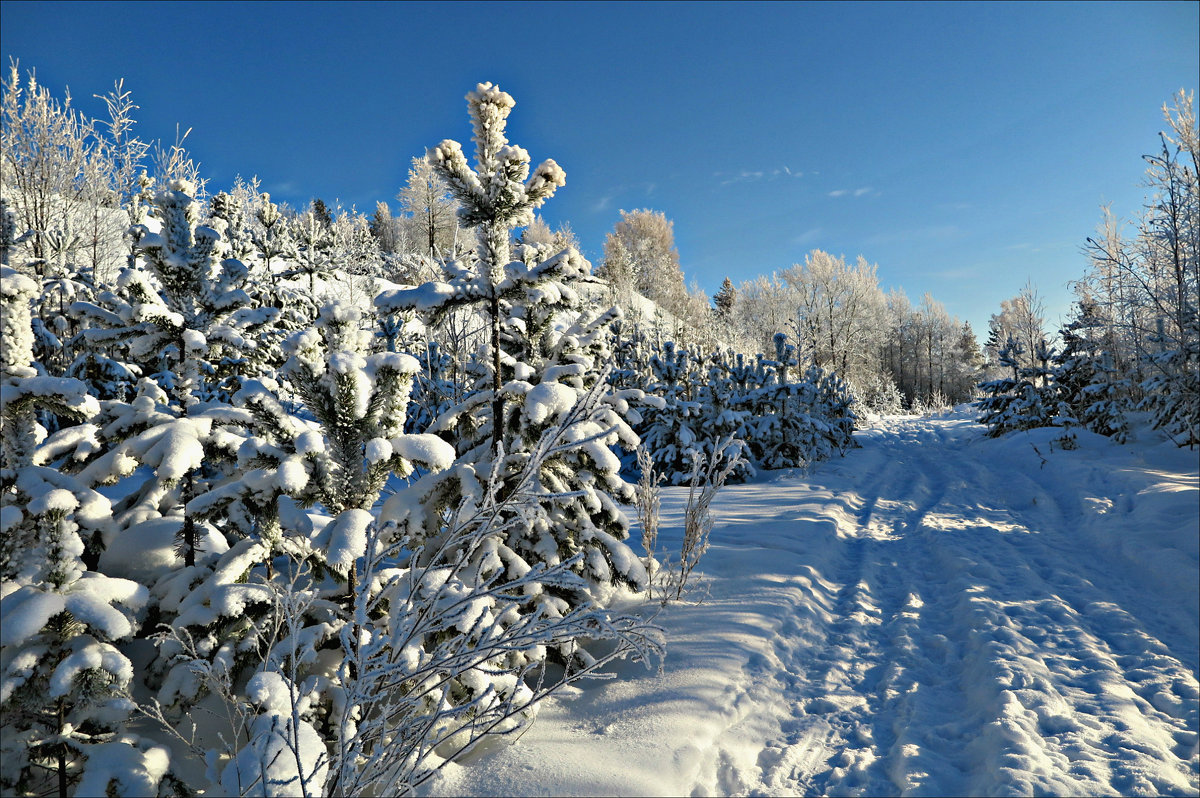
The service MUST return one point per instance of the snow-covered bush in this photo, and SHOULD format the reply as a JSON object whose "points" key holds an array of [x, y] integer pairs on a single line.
{"points": [[1087, 383], [1173, 389], [709, 475], [784, 422], [444, 650], [187, 320], [62, 680], [333, 453]]}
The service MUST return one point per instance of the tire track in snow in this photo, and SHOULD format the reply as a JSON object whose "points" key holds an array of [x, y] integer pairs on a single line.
{"points": [[975, 660], [793, 658], [1086, 699], [839, 735]]}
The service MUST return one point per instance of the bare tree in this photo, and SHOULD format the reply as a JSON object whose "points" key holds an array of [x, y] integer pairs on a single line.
{"points": [[640, 252], [1023, 318], [427, 200], [46, 147]]}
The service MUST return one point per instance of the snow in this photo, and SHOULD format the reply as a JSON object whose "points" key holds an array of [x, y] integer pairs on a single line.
{"points": [[145, 551], [426, 450], [344, 539], [194, 342], [425, 298], [310, 441], [25, 612], [88, 654], [934, 613], [377, 450], [285, 755], [549, 400], [53, 501], [136, 767], [10, 516], [90, 600]]}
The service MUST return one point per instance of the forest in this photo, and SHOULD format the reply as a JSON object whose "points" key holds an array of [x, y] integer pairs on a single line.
{"points": [[310, 501]]}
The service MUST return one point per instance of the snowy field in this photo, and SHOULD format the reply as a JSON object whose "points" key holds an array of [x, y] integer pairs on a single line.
{"points": [[936, 613]]}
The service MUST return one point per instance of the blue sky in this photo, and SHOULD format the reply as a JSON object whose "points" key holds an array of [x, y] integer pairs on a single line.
{"points": [[964, 148]]}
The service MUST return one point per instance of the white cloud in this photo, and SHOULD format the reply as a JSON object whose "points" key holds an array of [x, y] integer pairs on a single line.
{"points": [[754, 175], [854, 192]]}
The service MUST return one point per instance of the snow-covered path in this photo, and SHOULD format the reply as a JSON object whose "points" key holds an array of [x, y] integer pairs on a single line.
{"points": [[936, 613]]}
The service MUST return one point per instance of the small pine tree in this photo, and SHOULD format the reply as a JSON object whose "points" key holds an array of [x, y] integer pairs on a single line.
{"points": [[725, 299], [1088, 386], [63, 682], [543, 358], [1026, 400]]}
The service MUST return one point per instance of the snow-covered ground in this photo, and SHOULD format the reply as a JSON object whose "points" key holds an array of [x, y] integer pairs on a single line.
{"points": [[936, 613]]}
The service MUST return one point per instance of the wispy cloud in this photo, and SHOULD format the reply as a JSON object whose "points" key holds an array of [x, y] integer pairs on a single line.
{"points": [[807, 237], [754, 175], [961, 273], [854, 192]]}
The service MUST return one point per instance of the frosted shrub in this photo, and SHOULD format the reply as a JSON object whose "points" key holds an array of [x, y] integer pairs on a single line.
{"points": [[62, 678], [709, 475], [648, 504], [455, 621], [437, 653]]}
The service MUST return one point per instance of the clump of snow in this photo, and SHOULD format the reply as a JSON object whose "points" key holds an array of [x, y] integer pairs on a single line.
{"points": [[344, 539], [310, 441], [426, 450], [285, 755], [548, 400], [127, 766], [377, 450], [24, 612], [53, 501], [194, 342], [88, 654], [291, 476]]}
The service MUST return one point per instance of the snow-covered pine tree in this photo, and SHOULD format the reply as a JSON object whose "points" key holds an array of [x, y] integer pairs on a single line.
{"points": [[799, 421], [541, 361], [331, 456], [1026, 400], [1094, 396], [674, 430], [63, 682], [724, 417], [193, 325], [270, 232], [188, 321], [311, 253], [273, 235], [777, 436], [1173, 388]]}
